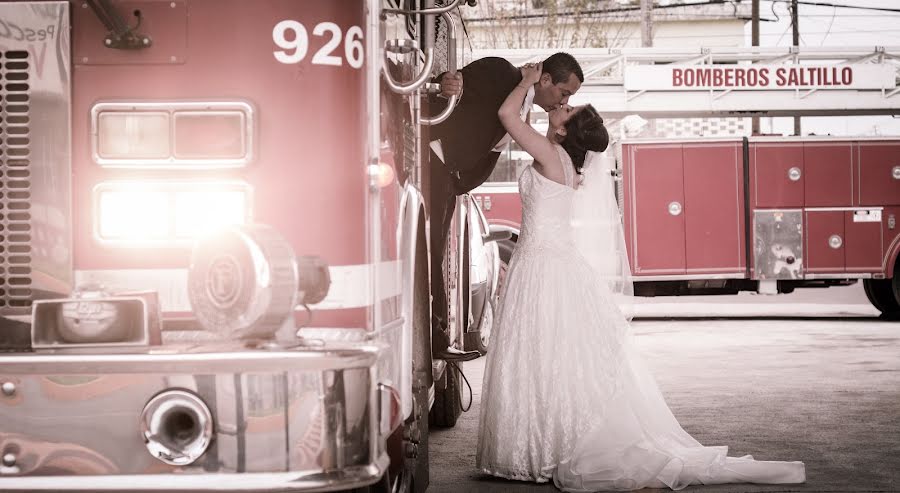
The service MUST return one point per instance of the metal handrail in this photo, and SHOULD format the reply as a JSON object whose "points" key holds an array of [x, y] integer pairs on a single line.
{"points": [[451, 60], [413, 86]]}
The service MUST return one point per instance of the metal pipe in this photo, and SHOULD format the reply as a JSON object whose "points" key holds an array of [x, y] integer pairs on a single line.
{"points": [[421, 79], [428, 11], [374, 68], [443, 115], [451, 67], [177, 427]]}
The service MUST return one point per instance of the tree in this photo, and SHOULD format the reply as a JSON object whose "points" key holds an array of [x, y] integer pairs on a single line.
{"points": [[559, 24]]}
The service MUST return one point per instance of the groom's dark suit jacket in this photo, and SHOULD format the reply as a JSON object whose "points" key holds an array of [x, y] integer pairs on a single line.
{"points": [[468, 137]]}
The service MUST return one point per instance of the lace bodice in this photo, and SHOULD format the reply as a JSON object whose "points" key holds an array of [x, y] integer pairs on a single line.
{"points": [[546, 207]]}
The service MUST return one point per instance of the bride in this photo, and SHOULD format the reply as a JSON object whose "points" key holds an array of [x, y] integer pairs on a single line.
{"points": [[566, 395]]}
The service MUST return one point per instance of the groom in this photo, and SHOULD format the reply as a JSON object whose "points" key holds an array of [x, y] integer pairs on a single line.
{"points": [[465, 148]]}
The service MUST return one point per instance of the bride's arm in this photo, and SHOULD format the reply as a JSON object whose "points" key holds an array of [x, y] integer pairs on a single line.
{"points": [[540, 148]]}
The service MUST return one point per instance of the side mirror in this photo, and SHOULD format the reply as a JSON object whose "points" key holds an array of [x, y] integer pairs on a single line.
{"points": [[496, 236]]}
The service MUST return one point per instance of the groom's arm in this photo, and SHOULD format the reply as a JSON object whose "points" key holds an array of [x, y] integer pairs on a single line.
{"points": [[486, 82]]}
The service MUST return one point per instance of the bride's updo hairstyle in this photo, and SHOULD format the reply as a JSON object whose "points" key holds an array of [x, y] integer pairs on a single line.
{"points": [[584, 132]]}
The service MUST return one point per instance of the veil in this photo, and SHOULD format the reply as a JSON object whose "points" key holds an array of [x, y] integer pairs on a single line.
{"points": [[599, 234]]}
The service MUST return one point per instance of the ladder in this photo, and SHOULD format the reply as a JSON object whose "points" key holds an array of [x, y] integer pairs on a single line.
{"points": [[732, 82]]}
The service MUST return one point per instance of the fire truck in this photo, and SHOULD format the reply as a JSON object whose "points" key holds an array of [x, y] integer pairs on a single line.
{"points": [[214, 266], [767, 214]]}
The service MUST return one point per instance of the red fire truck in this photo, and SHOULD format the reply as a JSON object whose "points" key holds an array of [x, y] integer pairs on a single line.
{"points": [[730, 214], [213, 255]]}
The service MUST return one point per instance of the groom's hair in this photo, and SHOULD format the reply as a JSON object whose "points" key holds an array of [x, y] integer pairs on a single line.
{"points": [[560, 66]]}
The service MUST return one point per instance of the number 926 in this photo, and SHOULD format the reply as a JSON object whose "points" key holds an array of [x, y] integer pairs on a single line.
{"points": [[293, 39]]}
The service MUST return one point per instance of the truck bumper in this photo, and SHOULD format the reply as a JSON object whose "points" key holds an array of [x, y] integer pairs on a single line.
{"points": [[208, 417], [338, 480]]}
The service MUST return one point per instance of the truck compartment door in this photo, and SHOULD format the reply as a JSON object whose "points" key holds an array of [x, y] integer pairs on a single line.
{"points": [[655, 209]]}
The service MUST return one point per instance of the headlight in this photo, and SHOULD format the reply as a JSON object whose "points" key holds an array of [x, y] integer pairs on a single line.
{"points": [[173, 135], [141, 213], [133, 135], [197, 212], [133, 213]]}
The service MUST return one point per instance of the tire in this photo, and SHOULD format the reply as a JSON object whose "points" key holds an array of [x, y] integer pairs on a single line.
{"points": [[447, 401], [506, 248], [414, 475], [882, 293], [895, 287], [480, 338], [421, 472]]}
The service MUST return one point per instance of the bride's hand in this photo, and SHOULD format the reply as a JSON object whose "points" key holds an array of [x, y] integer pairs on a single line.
{"points": [[531, 73]]}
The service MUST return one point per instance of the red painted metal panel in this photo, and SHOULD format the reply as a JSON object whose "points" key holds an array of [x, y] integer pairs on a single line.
{"points": [[828, 174], [770, 185], [655, 181], [820, 227], [165, 22], [877, 185], [863, 244], [713, 209], [309, 178], [501, 208]]}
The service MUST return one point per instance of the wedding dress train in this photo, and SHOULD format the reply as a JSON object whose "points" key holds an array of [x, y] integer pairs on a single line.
{"points": [[566, 395]]}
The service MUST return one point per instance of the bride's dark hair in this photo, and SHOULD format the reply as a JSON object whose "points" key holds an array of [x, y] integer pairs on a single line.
{"points": [[584, 132]]}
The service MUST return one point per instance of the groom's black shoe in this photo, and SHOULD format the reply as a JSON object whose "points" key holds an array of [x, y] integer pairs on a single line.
{"points": [[453, 354]]}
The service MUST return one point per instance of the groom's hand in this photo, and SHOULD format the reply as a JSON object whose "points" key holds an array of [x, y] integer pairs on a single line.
{"points": [[451, 84]]}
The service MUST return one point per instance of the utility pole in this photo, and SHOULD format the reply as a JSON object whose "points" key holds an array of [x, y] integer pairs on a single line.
{"points": [[795, 25], [646, 22], [754, 40]]}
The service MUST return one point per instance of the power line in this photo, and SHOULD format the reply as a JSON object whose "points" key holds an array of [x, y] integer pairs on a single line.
{"points": [[830, 25], [805, 33], [613, 10], [843, 6], [624, 9]]}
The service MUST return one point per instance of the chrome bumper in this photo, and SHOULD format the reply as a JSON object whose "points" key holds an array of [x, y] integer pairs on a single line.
{"points": [[351, 477], [284, 419]]}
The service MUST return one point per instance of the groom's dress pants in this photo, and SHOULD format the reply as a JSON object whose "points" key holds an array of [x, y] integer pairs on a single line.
{"points": [[442, 203]]}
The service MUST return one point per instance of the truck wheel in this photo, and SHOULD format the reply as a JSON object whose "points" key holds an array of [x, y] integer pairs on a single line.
{"points": [[882, 293], [480, 339], [413, 452], [447, 401], [895, 287], [506, 248]]}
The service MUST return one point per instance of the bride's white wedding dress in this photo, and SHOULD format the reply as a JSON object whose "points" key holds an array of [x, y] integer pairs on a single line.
{"points": [[566, 395]]}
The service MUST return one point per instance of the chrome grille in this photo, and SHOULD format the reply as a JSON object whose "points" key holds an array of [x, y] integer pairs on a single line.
{"points": [[15, 180]]}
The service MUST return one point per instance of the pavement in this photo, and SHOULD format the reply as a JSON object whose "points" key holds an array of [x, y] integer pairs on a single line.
{"points": [[825, 391]]}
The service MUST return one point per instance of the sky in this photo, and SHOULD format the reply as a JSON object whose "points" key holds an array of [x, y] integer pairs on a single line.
{"points": [[829, 26]]}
